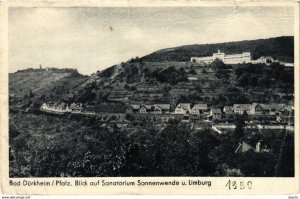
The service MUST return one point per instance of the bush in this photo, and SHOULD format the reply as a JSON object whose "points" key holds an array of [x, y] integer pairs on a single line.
{"points": [[107, 72], [170, 75]]}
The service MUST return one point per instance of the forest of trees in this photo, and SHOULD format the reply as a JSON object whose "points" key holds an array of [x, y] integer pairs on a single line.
{"points": [[170, 75], [263, 76], [78, 146], [280, 48]]}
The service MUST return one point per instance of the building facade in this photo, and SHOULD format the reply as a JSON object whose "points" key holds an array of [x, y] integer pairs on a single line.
{"points": [[241, 108], [183, 108], [244, 57]]}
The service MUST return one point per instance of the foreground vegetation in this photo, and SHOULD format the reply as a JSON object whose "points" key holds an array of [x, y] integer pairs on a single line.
{"points": [[45, 145]]}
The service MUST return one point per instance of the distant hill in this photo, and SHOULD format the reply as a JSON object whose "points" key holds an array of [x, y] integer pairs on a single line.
{"points": [[281, 48], [162, 68], [44, 82]]}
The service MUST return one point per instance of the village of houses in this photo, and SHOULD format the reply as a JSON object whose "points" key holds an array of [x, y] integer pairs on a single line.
{"points": [[274, 116], [198, 115]]}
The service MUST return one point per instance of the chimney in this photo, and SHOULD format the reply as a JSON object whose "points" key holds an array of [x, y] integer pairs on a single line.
{"points": [[258, 147]]}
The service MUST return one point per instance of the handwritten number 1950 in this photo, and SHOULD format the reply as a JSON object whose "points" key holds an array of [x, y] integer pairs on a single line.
{"points": [[238, 185]]}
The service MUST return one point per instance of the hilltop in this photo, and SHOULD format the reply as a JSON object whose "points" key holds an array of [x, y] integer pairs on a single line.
{"points": [[166, 73], [44, 82], [281, 48]]}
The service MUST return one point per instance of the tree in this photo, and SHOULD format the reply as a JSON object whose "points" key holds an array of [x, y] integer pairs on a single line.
{"points": [[256, 164], [264, 81], [217, 64], [181, 153], [170, 75], [220, 74], [106, 73], [192, 72], [31, 94], [239, 126], [167, 88], [244, 80], [198, 88], [129, 117]]}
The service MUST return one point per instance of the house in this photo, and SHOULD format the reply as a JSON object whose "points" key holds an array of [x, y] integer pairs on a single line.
{"points": [[241, 108], [215, 113], [228, 109], [76, 108], [244, 147], [44, 106], [156, 109], [256, 109], [135, 107], [55, 107], [198, 109], [270, 109], [61, 107], [264, 60], [183, 108], [165, 108], [276, 108], [260, 147], [144, 109]]}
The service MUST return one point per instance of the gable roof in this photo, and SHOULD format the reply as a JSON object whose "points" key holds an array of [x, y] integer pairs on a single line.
{"points": [[147, 107], [243, 147], [185, 106], [163, 106], [254, 105], [274, 106], [200, 106], [271, 106], [155, 107], [135, 106], [242, 106]]}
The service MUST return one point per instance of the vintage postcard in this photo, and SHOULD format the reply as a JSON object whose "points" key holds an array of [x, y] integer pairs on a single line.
{"points": [[149, 97]]}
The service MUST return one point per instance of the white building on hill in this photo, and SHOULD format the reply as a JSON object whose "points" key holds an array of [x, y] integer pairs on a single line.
{"points": [[245, 57]]}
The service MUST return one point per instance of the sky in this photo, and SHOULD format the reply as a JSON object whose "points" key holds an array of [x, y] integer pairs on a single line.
{"points": [[92, 39]]}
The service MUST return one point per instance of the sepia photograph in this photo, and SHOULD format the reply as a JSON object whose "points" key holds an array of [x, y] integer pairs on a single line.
{"points": [[151, 91]]}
